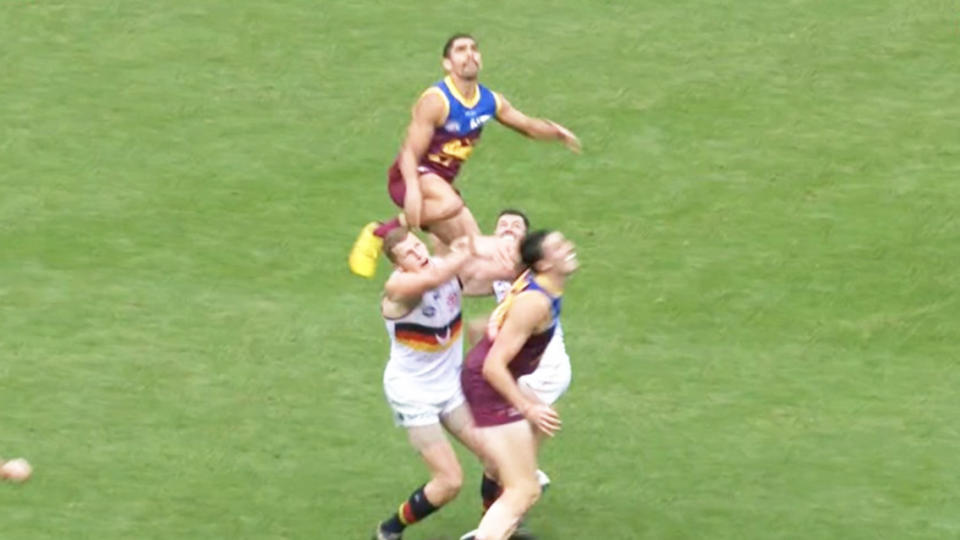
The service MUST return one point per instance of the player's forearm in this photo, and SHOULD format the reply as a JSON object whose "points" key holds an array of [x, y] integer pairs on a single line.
{"points": [[412, 284], [500, 379], [448, 266], [476, 287], [540, 129], [409, 160]]}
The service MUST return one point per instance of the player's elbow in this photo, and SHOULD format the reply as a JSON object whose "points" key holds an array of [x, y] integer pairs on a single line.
{"points": [[491, 371]]}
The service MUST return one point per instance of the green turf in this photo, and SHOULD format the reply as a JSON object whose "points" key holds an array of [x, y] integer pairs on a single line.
{"points": [[763, 331]]}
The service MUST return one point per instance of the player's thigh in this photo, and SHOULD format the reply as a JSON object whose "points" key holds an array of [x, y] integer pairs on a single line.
{"points": [[440, 200], [437, 247], [435, 450], [462, 224], [460, 424], [467, 222], [513, 450]]}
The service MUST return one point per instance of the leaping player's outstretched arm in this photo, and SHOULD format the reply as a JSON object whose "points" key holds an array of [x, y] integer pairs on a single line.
{"points": [[535, 128], [427, 114]]}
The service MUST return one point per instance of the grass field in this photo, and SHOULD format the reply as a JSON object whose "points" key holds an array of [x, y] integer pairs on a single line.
{"points": [[764, 328]]}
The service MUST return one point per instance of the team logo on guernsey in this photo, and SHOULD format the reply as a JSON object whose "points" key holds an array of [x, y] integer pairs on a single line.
{"points": [[479, 121], [444, 339], [428, 338]]}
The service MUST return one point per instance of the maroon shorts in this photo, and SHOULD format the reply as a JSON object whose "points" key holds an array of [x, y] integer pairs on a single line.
{"points": [[395, 185], [488, 407], [397, 188]]}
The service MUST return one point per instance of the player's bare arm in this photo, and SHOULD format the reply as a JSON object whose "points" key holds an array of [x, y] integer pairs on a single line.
{"points": [[496, 259], [535, 128], [479, 274], [476, 287], [528, 314], [427, 115], [406, 285]]}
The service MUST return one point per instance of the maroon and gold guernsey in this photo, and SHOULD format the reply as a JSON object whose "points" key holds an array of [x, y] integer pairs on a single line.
{"points": [[488, 406], [454, 140]]}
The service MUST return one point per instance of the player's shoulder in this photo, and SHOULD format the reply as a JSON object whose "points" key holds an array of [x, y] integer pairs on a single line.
{"points": [[395, 306], [434, 101], [433, 92], [532, 301]]}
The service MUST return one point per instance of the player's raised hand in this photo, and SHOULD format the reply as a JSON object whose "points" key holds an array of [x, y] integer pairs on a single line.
{"points": [[569, 139], [503, 252], [544, 417]]}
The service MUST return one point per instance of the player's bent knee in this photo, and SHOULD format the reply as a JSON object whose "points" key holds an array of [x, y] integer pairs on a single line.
{"points": [[449, 480], [529, 494], [522, 496], [448, 484]]}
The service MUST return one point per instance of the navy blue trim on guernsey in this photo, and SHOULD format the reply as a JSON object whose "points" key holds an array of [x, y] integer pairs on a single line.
{"points": [[423, 329]]}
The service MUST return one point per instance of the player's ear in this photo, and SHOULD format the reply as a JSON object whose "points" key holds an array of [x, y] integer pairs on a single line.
{"points": [[447, 64]]}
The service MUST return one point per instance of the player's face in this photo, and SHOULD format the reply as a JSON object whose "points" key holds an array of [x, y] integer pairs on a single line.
{"points": [[411, 254], [559, 254], [464, 59], [510, 226]]}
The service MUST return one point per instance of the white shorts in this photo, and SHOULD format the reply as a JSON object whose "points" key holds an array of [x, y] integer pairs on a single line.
{"points": [[415, 405], [552, 377]]}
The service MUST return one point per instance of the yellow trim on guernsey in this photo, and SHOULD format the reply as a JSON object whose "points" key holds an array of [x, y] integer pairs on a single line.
{"points": [[548, 285], [459, 97], [446, 102]]}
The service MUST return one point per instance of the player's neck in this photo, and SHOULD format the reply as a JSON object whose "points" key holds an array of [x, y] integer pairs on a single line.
{"points": [[467, 88], [553, 282]]}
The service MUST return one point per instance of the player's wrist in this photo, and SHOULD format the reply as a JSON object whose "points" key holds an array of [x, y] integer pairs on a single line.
{"points": [[527, 407], [554, 129]]}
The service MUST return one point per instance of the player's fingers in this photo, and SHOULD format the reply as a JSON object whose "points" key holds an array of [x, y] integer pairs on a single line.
{"points": [[506, 260], [551, 418], [549, 428]]}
